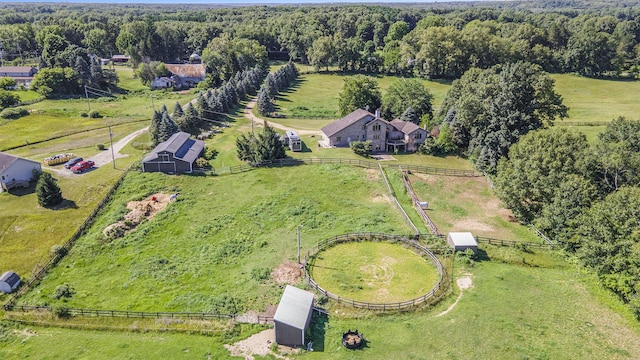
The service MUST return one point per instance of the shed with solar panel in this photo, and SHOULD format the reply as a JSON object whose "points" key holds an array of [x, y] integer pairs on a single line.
{"points": [[175, 156]]}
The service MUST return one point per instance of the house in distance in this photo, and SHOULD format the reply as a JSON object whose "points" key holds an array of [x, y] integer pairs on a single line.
{"points": [[176, 155], [385, 136]]}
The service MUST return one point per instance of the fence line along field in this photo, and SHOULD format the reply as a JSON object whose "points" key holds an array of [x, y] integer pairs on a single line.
{"points": [[374, 272], [214, 249]]}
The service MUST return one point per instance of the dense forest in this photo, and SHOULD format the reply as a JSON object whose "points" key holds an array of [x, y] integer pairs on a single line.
{"points": [[430, 41], [499, 111]]}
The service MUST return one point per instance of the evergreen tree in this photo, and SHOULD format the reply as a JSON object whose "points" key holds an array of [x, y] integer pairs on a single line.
{"points": [[96, 74], [177, 110], [83, 71], [156, 120], [167, 127], [410, 116], [265, 106], [48, 191]]}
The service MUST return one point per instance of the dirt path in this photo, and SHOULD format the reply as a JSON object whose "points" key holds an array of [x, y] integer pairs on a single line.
{"points": [[463, 283], [248, 113]]}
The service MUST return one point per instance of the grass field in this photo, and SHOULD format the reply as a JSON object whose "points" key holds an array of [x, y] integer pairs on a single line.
{"points": [[511, 312], [316, 96], [596, 99], [373, 272], [184, 261], [31, 342], [28, 231], [467, 204]]}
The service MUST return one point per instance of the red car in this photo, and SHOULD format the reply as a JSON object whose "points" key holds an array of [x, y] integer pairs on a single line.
{"points": [[82, 166]]}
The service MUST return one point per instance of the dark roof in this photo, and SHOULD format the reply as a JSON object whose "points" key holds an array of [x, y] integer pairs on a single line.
{"points": [[406, 127], [10, 278], [187, 70], [6, 160], [343, 123], [294, 308], [180, 145]]}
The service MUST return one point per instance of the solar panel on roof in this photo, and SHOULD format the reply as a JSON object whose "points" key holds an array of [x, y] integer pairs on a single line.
{"points": [[184, 149]]}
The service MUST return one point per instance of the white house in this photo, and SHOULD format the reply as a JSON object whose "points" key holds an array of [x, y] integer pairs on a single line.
{"points": [[16, 171]]}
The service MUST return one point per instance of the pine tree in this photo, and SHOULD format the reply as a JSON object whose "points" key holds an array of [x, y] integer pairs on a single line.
{"points": [[265, 106], [48, 191], [96, 75], [177, 110], [82, 69], [154, 128], [410, 116], [167, 127]]}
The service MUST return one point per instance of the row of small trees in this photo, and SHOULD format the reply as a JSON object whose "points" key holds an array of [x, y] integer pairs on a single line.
{"points": [[72, 78], [210, 106], [275, 82]]}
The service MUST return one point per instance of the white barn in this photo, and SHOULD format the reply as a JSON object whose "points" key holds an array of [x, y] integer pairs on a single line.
{"points": [[9, 281], [16, 171], [293, 316], [461, 241]]}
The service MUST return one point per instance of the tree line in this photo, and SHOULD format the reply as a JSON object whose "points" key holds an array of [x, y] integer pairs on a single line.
{"points": [[430, 42]]}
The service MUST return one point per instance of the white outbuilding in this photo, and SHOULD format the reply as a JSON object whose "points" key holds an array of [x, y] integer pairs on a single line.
{"points": [[293, 316], [461, 241], [16, 171], [9, 281]]}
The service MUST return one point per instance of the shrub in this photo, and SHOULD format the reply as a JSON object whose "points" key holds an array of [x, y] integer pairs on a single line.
{"points": [[210, 153], [362, 148], [94, 114], [260, 274], [84, 114], [63, 291], [58, 250], [7, 83], [8, 99], [61, 312], [14, 113], [100, 147], [202, 163]]}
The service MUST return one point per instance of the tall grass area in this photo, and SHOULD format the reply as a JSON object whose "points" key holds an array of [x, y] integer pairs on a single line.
{"points": [[33, 342], [213, 249]]}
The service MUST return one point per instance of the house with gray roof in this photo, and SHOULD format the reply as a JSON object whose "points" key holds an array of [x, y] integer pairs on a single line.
{"points": [[385, 136], [187, 75], [16, 171], [23, 75], [293, 316], [176, 155]]}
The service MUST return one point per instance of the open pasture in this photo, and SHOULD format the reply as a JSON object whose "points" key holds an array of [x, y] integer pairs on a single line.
{"points": [[467, 204], [374, 272], [214, 248]]}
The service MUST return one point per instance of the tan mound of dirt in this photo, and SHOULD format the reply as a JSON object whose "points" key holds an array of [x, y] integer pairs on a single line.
{"points": [[138, 211], [287, 273], [259, 345]]}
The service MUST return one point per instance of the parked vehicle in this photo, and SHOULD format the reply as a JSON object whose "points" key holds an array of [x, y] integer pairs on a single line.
{"points": [[82, 166], [72, 162], [58, 159]]}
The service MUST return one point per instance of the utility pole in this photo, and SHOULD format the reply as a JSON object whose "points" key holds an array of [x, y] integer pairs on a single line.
{"points": [[152, 104], [299, 227], [113, 157], [86, 94]]}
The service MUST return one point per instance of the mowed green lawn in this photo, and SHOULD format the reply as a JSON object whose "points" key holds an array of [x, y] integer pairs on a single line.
{"points": [[316, 96], [374, 272], [510, 312], [209, 251], [28, 231], [597, 99]]}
